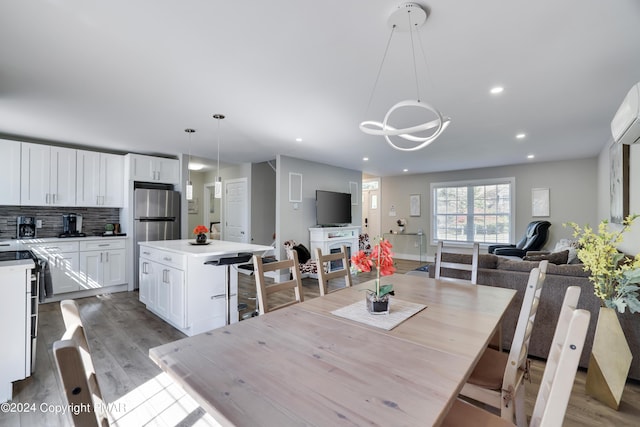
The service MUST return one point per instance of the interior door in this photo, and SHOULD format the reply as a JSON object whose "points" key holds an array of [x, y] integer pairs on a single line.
{"points": [[236, 212], [371, 211]]}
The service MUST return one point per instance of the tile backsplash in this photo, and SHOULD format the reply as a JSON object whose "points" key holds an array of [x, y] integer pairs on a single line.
{"points": [[93, 219]]}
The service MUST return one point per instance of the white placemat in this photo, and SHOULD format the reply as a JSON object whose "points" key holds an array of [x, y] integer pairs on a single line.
{"points": [[399, 312]]}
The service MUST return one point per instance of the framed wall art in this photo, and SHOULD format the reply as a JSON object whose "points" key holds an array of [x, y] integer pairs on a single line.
{"points": [[414, 205], [539, 202], [619, 182]]}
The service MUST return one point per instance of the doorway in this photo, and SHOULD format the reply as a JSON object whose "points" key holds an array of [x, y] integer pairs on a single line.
{"points": [[211, 209], [236, 211], [371, 207]]}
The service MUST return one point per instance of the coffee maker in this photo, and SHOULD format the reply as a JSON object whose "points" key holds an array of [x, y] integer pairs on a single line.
{"points": [[26, 227], [72, 225]]}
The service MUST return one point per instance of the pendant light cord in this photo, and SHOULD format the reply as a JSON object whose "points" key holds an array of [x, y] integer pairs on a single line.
{"points": [[218, 156], [384, 56], [413, 54]]}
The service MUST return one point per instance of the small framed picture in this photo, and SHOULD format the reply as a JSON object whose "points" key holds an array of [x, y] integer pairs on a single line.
{"points": [[414, 205], [540, 202]]}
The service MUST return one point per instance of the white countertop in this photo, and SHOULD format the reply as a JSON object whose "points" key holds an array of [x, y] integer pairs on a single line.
{"points": [[213, 248]]}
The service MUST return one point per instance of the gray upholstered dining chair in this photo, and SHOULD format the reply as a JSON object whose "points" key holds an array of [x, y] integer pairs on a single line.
{"points": [[328, 269]]}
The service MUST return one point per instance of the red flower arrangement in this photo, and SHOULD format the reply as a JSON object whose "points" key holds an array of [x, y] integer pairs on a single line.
{"points": [[382, 259], [200, 229]]}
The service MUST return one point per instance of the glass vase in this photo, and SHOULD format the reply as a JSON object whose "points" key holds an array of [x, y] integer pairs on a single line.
{"points": [[201, 238], [377, 305]]}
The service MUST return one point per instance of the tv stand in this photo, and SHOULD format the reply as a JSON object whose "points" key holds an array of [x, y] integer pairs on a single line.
{"points": [[330, 239]]}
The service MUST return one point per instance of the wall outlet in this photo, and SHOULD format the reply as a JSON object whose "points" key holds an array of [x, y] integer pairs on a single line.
{"points": [[38, 223]]}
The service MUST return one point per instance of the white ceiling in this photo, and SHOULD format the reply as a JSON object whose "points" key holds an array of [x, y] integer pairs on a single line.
{"points": [[132, 75]]}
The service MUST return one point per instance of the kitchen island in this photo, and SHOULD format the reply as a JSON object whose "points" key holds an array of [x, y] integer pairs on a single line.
{"points": [[177, 285]]}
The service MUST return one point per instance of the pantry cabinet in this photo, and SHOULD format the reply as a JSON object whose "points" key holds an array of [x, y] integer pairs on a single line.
{"points": [[10, 172], [154, 169], [47, 176], [100, 179]]}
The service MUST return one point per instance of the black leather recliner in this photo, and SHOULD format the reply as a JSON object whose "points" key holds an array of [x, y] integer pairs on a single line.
{"points": [[533, 240]]}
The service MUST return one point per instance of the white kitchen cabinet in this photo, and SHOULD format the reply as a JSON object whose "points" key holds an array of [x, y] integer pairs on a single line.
{"points": [[47, 176], [64, 264], [170, 295], [102, 263], [100, 179], [147, 282], [163, 285], [154, 169], [10, 172]]}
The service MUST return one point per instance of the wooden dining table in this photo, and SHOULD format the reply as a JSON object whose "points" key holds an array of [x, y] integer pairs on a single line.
{"points": [[304, 365]]}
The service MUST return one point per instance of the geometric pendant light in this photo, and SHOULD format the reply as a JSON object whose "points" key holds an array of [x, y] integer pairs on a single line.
{"points": [[407, 17]]}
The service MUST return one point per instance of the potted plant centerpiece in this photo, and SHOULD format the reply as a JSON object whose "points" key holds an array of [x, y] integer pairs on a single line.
{"points": [[201, 234], [615, 279], [382, 259]]}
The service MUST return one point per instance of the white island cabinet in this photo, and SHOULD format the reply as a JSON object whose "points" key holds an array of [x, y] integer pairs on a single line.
{"points": [[177, 285]]}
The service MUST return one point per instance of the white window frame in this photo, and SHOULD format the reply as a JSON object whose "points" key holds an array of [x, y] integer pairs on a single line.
{"points": [[469, 183]]}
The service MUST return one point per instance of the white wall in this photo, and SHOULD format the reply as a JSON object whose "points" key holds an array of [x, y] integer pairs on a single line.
{"points": [[293, 220], [263, 203], [572, 187]]}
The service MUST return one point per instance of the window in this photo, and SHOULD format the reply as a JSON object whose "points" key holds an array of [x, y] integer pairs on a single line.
{"points": [[474, 211]]}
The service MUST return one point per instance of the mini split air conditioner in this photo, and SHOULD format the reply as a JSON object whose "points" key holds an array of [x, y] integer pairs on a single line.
{"points": [[625, 126]]}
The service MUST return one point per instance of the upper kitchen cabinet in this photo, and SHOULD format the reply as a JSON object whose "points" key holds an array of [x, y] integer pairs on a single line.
{"points": [[154, 169], [48, 176], [10, 172], [100, 179]]}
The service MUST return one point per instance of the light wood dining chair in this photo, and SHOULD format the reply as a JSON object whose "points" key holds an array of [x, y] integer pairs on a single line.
{"points": [[76, 370], [557, 381], [325, 273], [442, 263], [263, 290], [498, 378]]}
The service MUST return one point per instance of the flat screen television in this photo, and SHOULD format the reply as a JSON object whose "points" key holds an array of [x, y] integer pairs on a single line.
{"points": [[332, 208]]}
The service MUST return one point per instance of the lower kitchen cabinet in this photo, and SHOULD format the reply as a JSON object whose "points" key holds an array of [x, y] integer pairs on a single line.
{"points": [[63, 259], [102, 268], [162, 289], [83, 265]]}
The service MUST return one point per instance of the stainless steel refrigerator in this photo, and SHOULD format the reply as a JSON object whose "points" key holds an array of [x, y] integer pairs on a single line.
{"points": [[156, 217]]}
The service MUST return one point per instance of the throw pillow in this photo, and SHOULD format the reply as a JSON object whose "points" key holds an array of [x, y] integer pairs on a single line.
{"points": [[553, 258], [571, 246]]}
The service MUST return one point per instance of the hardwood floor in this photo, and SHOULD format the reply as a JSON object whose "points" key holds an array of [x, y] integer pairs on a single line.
{"points": [[121, 331]]}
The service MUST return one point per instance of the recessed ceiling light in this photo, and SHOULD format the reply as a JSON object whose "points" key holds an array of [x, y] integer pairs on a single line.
{"points": [[530, 156], [365, 159], [496, 90], [521, 135], [298, 139], [405, 170], [195, 166]]}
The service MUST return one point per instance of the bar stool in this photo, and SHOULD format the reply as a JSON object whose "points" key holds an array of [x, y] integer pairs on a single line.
{"points": [[241, 258]]}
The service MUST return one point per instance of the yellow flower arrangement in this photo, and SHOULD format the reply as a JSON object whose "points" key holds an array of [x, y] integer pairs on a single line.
{"points": [[615, 277]]}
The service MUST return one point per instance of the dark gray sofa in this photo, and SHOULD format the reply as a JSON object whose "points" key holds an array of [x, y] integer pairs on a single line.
{"points": [[513, 274]]}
